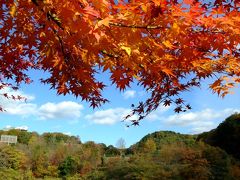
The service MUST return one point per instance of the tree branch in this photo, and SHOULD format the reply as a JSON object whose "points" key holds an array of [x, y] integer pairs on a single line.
{"points": [[109, 54], [50, 16], [137, 26]]}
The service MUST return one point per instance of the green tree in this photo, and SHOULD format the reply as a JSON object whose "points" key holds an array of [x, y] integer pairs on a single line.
{"points": [[112, 151], [11, 158], [149, 146], [68, 167]]}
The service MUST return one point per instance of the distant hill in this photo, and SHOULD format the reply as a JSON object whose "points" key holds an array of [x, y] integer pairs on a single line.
{"points": [[226, 135], [161, 138], [181, 156]]}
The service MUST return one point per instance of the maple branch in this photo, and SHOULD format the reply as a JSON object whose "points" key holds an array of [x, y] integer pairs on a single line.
{"points": [[148, 27], [213, 31], [137, 26], [50, 16], [60, 41], [54, 18], [109, 54]]}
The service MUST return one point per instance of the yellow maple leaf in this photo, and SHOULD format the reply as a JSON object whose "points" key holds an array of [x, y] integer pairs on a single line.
{"points": [[168, 44], [127, 49], [175, 28], [13, 10], [144, 8], [104, 22]]}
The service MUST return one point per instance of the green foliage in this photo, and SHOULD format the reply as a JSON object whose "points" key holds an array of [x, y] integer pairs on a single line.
{"points": [[53, 138], [123, 169], [158, 139], [10, 174], [226, 135], [148, 146], [112, 151], [10, 158], [95, 175], [67, 167]]}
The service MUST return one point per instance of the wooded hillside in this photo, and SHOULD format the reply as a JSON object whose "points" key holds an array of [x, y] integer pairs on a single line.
{"points": [[163, 154]]}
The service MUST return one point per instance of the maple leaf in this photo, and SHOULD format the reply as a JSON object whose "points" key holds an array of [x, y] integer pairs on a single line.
{"points": [[97, 36], [13, 10], [91, 11], [158, 43], [167, 44], [216, 84], [179, 101], [176, 29], [178, 109], [188, 106], [127, 49], [104, 22], [168, 72], [167, 102], [135, 122]]}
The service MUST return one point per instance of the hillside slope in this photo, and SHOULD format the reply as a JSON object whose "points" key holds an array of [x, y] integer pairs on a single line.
{"points": [[226, 135]]}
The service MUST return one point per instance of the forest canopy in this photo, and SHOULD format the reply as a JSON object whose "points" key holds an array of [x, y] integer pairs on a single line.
{"points": [[167, 46]]}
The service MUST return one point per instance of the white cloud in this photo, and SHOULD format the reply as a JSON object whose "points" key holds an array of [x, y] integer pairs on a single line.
{"points": [[67, 133], [115, 115], [8, 127], [200, 121], [23, 109], [17, 107], [157, 114], [203, 127], [129, 94], [62, 110], [22, 128], [68, 110], [109, 116]]}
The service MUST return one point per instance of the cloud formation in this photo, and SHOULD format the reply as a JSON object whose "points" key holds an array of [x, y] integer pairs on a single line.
{"points": [[17, 107], [200, 121], [62, 110], [8, 127], [157, 114], [129, 94], [114, 115], [109, 117]]}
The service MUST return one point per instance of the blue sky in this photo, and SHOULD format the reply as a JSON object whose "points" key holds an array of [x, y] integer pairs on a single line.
{"points": [[47, 112]]}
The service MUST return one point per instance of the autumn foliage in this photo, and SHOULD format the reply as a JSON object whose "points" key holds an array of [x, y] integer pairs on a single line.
{"points": [[167, 46]]}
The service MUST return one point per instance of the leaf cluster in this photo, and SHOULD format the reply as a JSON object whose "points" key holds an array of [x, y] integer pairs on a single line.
{"points": [[167, 46]]}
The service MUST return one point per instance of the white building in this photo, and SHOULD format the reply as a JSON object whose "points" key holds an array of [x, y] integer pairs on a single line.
{"points": [[9, 139]]}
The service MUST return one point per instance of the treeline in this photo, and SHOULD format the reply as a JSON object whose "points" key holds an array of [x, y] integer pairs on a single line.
{"points": [[160, 155]]}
